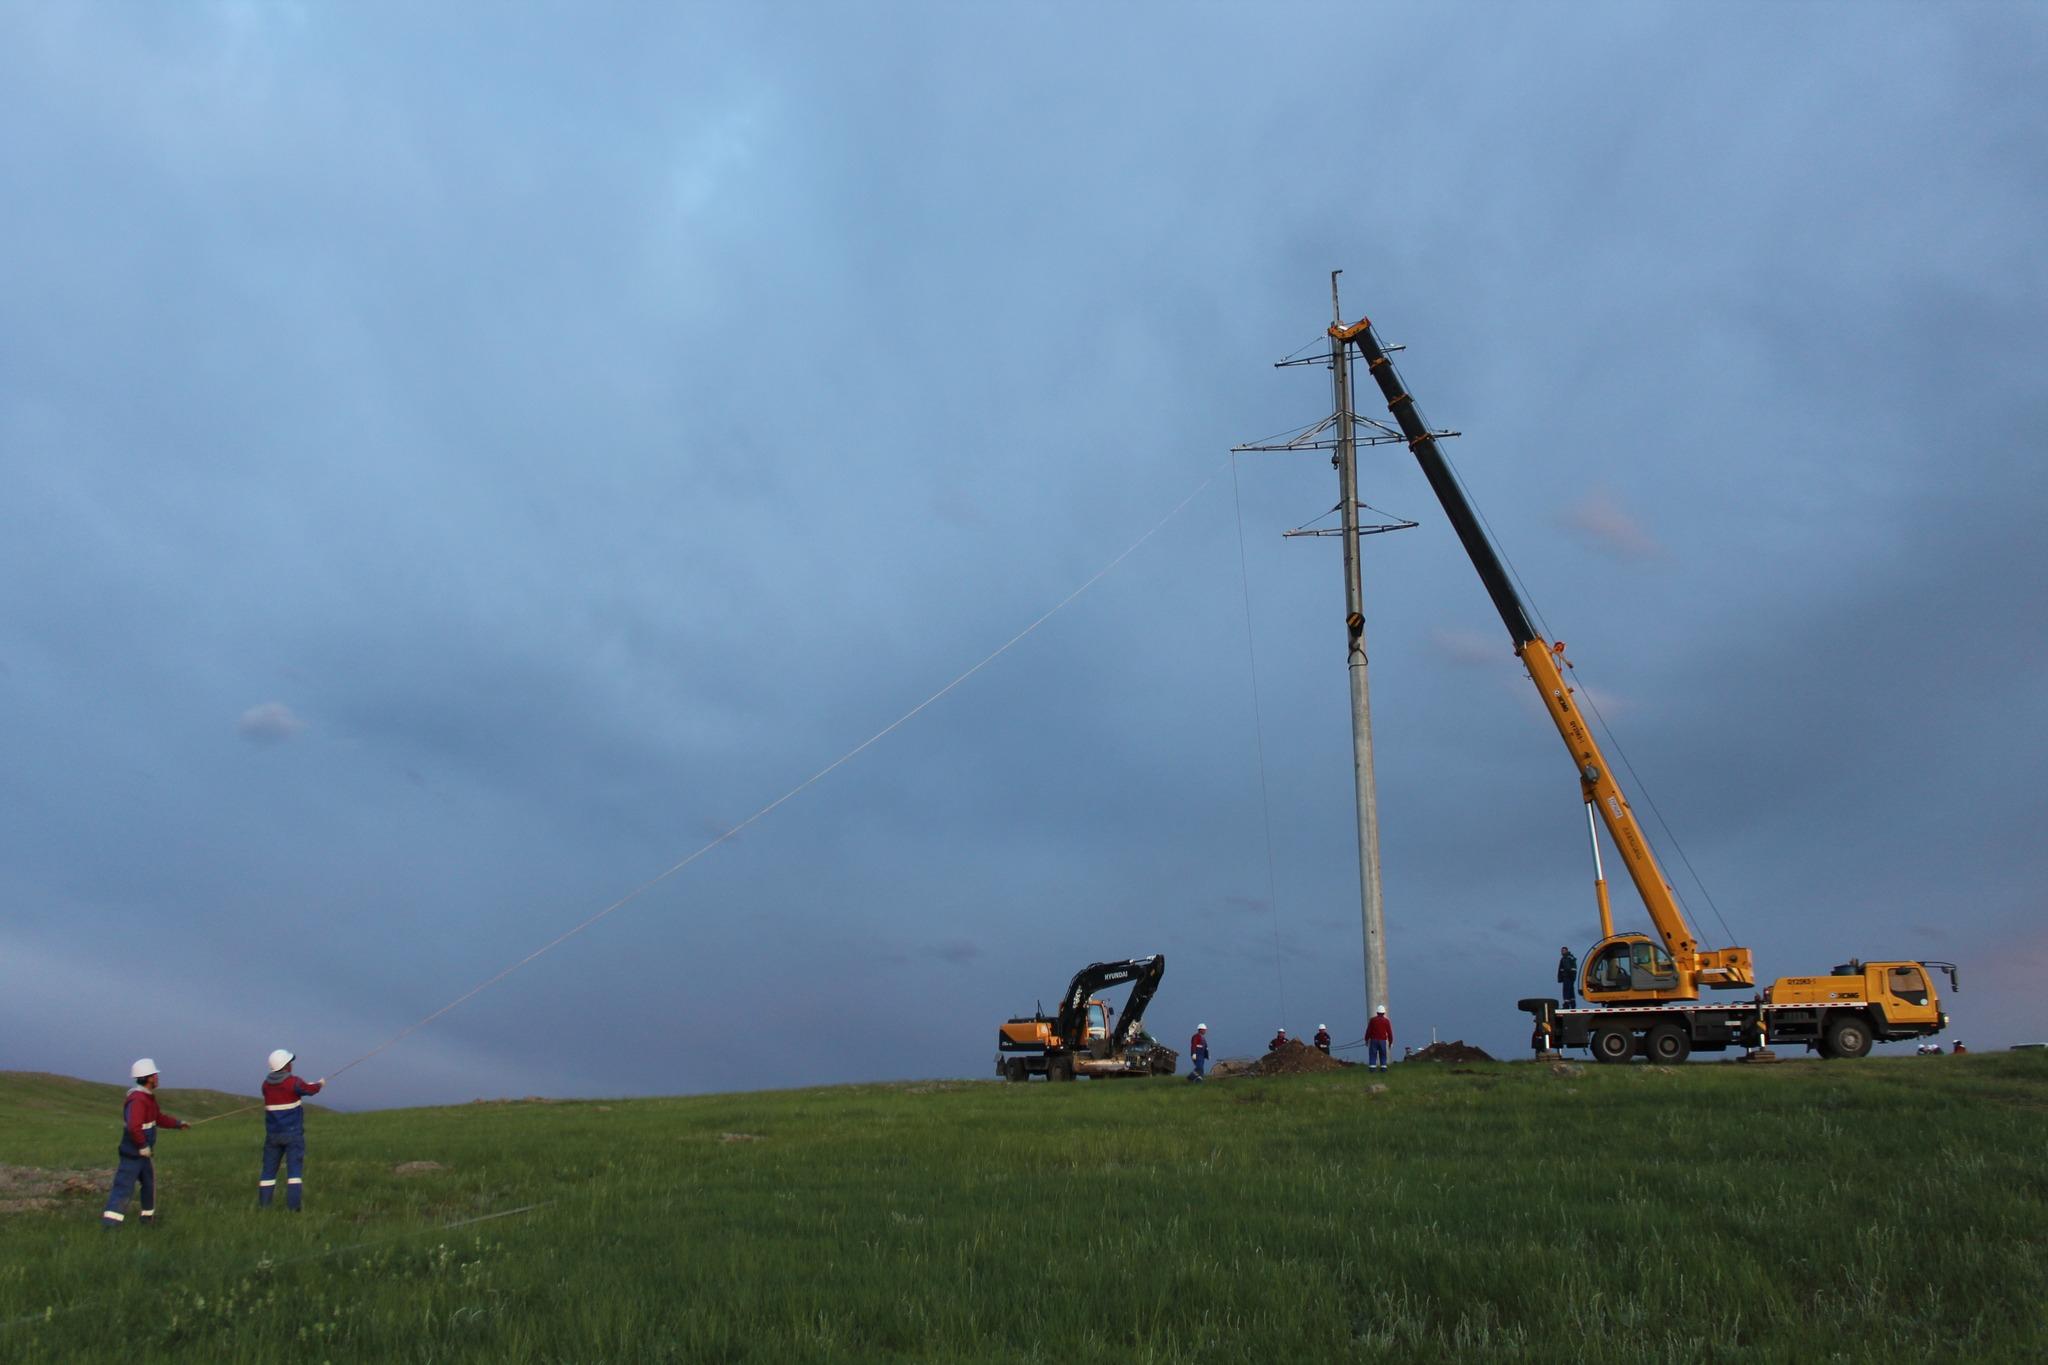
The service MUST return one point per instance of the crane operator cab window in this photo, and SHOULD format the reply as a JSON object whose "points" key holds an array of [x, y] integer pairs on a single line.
{"points": [[1633, 966], [1651, 968], [1609, 971], [1908, 983]]}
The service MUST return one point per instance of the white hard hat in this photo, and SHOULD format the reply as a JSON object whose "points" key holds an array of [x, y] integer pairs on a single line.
{"points": [[1324, 1027], [1201, 1028], [1381, 1010], [143, 1067], [280, 1059]]}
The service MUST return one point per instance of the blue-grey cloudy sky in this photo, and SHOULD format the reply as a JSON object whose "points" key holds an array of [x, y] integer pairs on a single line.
{"points": [[457, 461]]}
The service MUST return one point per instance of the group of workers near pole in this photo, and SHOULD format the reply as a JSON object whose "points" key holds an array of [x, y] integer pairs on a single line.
{"points": [[1379, 1041], [284, 1139]]}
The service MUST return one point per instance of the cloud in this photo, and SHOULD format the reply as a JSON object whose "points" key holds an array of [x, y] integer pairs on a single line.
{"points": [[958, 951], [1602, 523], [270, 723], [1468, 648]]}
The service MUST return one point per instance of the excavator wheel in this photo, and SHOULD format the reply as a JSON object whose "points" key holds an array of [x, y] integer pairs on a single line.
{"points": [[1059, 1069], [1613, 1043], [1668, 1043], [1014, 1069], [1848, 1035]]}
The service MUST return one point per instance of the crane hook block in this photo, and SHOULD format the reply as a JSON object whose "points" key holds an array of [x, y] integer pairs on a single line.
{"points": [[1355, 621]]}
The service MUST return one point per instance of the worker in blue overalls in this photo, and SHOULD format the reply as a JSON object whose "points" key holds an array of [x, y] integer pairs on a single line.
{"points": [[140, 1116], [284, 1130]]}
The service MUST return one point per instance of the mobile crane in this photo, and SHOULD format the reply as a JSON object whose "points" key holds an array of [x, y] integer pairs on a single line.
{"points": [[1642, 994], [1079, 1040]]}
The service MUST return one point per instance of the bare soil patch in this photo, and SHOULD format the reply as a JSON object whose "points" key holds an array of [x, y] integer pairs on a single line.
{"points": [[30, 1189]]}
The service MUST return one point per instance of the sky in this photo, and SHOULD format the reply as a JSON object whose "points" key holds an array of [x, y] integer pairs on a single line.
{"points": [[459, 463]]}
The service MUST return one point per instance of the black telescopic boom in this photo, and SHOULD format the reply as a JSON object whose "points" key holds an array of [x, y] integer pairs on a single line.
{"points": [[1498, 586]]}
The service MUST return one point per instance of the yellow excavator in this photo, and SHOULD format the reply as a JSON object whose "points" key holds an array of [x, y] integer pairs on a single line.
{"points": [[1079, 1039], [1642, 994]]}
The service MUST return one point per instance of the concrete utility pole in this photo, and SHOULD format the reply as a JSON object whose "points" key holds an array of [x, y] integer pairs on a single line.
{"points": [[1340, 435], [1372, 906]]}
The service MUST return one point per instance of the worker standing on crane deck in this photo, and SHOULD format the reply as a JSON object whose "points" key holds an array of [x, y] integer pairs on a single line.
{"points": [[140, 1115], [1198, 1052], [1567, 976], [1379, 1040], [284, 1130]]}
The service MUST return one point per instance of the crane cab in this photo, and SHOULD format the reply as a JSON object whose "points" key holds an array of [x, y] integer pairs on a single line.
{"points": [[1631, 969]]}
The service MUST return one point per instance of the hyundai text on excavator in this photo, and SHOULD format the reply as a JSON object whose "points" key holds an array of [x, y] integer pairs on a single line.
{"points": [[1642, 995], [1079, 1040]]}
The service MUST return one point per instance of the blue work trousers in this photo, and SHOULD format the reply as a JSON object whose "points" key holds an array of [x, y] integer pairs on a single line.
{"points": [[1195, 1067], [133, 1171], [289, 1148], [1376, 1053], [1564, 993]]}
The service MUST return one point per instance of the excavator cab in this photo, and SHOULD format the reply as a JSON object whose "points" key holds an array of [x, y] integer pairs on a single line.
{"points": [[1098, 1020]]}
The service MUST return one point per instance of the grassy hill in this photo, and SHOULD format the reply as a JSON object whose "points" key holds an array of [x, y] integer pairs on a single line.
{"points": [[1887, 1209]]}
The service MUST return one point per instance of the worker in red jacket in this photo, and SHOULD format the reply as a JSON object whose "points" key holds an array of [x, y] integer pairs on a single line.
{"points": [[1198, 1052], [284, 1130], [140, 1116], [1379, 1040]]}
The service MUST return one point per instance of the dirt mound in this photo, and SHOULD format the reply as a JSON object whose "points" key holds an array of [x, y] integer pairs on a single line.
{"points": [[1292, 1058], [1459, 1051]]}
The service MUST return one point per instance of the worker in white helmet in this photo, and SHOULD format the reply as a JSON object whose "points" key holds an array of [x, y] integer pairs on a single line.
{"points": [[284, 1130], [1323, 1039], [140, 1116], [1379, 1040], [1198, 1052]]}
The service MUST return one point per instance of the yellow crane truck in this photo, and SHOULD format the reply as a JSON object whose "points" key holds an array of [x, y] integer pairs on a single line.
{"points": [[1079, 1040], [1643, 995]]}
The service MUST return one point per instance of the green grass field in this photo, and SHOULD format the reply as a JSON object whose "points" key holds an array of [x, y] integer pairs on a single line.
{"points": [[1893, 1209]]}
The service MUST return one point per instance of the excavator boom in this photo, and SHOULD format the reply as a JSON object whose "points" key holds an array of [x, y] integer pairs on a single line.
{"points": [[1145, 972]]}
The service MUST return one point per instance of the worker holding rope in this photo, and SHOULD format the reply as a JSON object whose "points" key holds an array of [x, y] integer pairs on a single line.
{"points": [[284, 1130]]}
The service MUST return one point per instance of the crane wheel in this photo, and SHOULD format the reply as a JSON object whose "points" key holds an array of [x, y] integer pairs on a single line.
{"points": [[1668, 1043], [1847, 1035], [1613, 1043]]}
